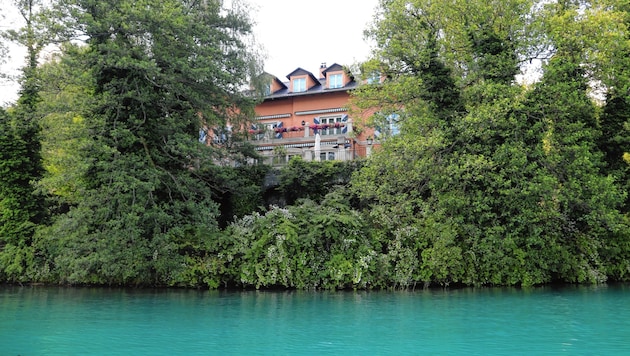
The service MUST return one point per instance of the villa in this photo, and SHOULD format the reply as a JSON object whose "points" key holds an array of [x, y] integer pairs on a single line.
{"points": [[307, 116]]}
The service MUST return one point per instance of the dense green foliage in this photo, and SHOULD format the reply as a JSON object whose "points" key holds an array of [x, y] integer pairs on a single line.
{"points": [[18, 207], [22, 209], [131, 185], [238, 190], [313, 180], [510, 191], [488, 182]]}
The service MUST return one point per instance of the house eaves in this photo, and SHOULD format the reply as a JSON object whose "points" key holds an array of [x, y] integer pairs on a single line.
{"points": [[318, 89]]}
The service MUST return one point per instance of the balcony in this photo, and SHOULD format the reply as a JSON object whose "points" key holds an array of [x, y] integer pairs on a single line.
{"points": [[278, 145]]}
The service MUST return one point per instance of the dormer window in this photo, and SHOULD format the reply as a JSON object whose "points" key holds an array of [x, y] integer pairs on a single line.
{"points": [[374, 78], [299, 85], [335, 81]]}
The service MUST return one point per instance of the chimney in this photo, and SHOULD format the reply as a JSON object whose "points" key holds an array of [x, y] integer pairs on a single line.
{"points": [[322, 68]]}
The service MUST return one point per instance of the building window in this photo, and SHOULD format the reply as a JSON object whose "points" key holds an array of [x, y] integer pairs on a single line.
{"points": [[334, 81], [374, 78], [334, 125], [327, 156], [387, 126], [394, 126], [299, 85], [267, 89]]}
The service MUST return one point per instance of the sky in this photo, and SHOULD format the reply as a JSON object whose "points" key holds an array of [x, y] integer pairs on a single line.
{"points": [[9, 18], [292, 34], [306, 33]]}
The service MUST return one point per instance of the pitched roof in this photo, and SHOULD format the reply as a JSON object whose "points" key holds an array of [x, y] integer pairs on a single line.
{"points": [[317, 89], [332, 68], [300, 71], [279, 82]]}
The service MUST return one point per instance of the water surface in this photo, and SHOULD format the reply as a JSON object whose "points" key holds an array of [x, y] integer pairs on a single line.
{"points": [[90, 321]]}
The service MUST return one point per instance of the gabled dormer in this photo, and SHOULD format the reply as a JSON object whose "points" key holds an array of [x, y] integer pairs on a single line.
{"points": [[275, 85], [336, 76], [268, 84], [301, 80]]}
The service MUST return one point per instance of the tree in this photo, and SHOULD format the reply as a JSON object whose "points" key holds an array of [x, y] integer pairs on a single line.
{"points": [[313, 180], [509, 190], [421, 90], [67, 93], [613, 64], [18, 208], [306, 246], [22, 208], [161, 71]]}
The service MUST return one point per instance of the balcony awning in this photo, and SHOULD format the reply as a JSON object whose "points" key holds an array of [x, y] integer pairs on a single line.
{"points": [[321, 111], [298, 145], [268, 117]]}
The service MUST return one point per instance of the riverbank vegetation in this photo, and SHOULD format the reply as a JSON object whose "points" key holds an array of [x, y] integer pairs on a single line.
{"points": [[487, 179]]}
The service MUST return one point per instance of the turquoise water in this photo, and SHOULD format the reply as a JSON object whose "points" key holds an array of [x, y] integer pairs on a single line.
{"points": [[87, 321]]}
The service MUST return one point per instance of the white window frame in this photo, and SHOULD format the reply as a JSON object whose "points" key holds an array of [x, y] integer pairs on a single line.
{"points": [[299, 85], [394, 126], [331, 120], [335, 81], [327, 156], [387, 125], [374, 78]]}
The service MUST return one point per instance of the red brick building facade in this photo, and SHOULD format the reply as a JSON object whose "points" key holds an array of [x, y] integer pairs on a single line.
{"points": [[308, 116]]}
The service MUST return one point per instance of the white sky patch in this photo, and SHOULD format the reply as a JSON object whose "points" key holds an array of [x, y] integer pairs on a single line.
{"points": [[307, 33], [292, 34], [10, 19]]}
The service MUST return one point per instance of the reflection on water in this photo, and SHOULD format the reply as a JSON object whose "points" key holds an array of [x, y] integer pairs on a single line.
{"points": [[62, 321]]}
